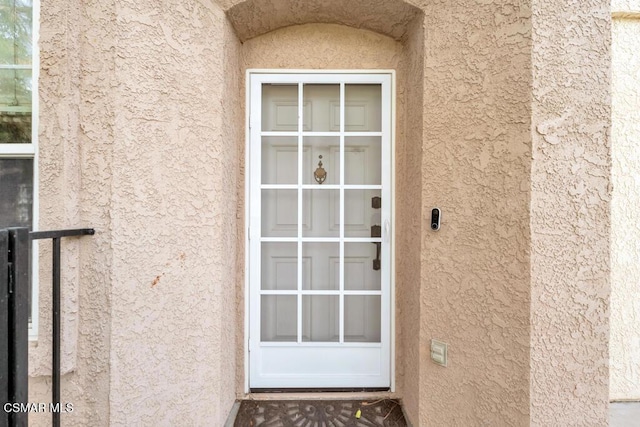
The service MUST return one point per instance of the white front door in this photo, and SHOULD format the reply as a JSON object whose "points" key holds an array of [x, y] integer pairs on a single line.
{"points": [[319, 230]]}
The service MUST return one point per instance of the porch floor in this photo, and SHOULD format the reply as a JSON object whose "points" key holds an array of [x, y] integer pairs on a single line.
{"points": [[381, 412], [320, 413], [624, 414]]}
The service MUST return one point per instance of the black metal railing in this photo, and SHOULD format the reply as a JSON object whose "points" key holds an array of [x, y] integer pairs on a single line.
{"points": [[15, 272]]}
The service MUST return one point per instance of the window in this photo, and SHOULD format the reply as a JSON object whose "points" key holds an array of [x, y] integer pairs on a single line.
{"points": [[18, 120]]}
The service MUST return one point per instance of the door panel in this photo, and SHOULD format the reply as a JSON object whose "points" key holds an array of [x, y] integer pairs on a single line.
{"points": [[329, 148], [359, 274], [361, 107], [320, 318], [322, 207], [361, 151], [294, 370], [320, 98], [319, 257], [279, 318], [279, 266], [320, 192], [279, 160]]}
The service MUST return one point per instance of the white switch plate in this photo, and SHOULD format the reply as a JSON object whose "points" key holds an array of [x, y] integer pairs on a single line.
{"points": [[439, 351]]}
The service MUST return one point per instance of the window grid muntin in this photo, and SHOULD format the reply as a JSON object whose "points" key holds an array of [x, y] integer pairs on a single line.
{"points": [[341, 220]]}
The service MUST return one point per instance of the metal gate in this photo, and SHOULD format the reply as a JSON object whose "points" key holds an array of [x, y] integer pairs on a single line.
{"points": [[15, 272]]}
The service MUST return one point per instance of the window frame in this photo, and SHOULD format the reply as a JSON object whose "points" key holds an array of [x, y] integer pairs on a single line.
{"points": [[30, 151]]}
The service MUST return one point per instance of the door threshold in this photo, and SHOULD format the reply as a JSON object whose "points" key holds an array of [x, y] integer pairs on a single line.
{"points": [[333, 394], [320, 390]]}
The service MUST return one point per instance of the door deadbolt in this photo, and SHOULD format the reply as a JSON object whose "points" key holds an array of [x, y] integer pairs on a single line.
{"points": [[376, 202]]}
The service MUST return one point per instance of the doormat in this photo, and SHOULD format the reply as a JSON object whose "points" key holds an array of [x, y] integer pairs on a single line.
{"points": [[320, 413]]}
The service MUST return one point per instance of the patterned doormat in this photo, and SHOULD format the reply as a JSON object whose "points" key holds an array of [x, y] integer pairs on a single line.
{"points": [[320, 413]]}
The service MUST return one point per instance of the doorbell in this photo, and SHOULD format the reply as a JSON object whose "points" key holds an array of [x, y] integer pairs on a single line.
{"points": [[435, 219]]}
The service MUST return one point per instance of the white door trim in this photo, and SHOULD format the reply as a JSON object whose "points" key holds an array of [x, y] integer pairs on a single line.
{"points": [[308, 77]]}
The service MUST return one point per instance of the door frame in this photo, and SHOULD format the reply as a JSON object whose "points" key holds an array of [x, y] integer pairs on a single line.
{"points": [[247, 178]]}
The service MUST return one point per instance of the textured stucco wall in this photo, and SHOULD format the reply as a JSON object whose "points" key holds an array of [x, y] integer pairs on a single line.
{"points": [[321, 46], [625, 6], [476, 168], [139, 138], [75, 135], [570, 221], [233, 106], [174, 216], [408, 152], [625, 219], [502, 122], [252, 18]]}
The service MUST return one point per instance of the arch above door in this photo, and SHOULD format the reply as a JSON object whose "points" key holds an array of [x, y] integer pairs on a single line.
{"points": [[252, 18]]}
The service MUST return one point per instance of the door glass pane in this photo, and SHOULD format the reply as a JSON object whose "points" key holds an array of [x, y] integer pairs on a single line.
{"points": [[279, 268], [279, 318], [320, 318], [362, 158], [321, 263], [321, 213], [321, 160], [279, 107], [279, 213], [363, 107], [362, 318], [323, 102], [361, 271], [362, 211], [279, 160], [16, 193]]}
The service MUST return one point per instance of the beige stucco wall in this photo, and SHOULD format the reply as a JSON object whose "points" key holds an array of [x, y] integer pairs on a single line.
{"points": [[252, 18], [409, 152], [75, 133], [570, 204], [475, 282], [173, 207], [139, 139], [502, 122], [625, 6], [625, 220]]}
